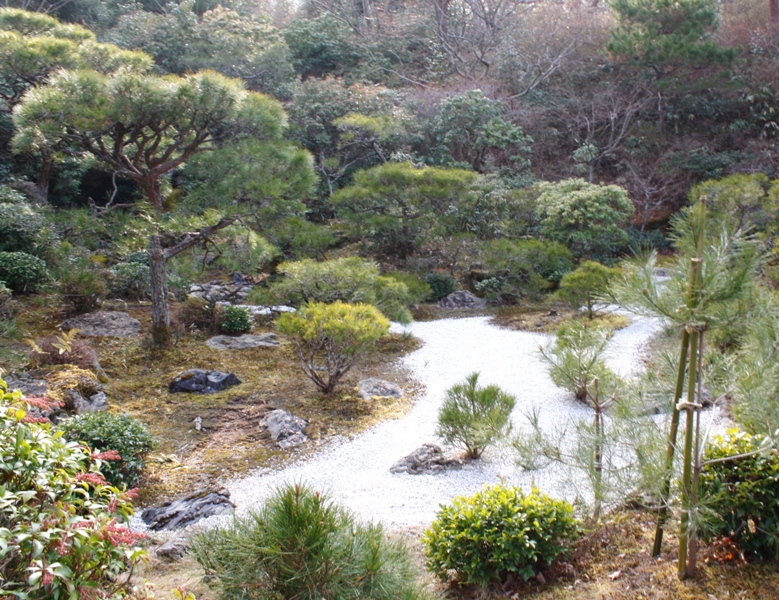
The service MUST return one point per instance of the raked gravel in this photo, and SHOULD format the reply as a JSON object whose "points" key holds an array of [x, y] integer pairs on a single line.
{"points": [[355, 471]]}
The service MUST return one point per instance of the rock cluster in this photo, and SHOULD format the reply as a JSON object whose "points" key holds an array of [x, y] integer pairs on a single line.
{"points": [[285, 429], [200, 381], [187, 510], [260, 311], [221, 291], [104, 324], [462, 299], [427, 459], [372, 388]]}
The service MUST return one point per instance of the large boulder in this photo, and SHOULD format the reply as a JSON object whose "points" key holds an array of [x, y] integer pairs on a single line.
{"points": [[427, 459], [187, 510], [200, 381], [104, 324], [247, 340], [462, 299], [372, 388], [285, 429]]}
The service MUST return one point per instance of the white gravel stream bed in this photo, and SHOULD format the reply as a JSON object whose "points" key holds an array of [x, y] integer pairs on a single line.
{"points": [[355, 471]]}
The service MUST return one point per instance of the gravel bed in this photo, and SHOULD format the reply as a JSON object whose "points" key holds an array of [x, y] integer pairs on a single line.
{"points": [[356, 471]]}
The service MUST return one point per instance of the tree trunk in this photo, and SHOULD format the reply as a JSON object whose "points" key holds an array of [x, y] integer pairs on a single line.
{"points": [[160, 315], [44, 176]]}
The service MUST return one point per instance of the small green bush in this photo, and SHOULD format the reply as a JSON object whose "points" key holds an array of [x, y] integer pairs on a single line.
{"points": [[527, 266], [64, 532], [234, 320], [103, 431], [82, 285], [440, 286], [131, 281], [418, 289], [582, 286], [330, 339], [22, 272], [301, 545], [498, 531], [743, 492], [475, 417]]}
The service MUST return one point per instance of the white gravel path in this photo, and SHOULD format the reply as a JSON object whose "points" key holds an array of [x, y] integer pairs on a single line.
{"points": [[356, 472]]}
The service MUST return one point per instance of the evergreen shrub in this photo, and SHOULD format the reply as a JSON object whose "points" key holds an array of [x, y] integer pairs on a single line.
{"points": [[82, 285], [475, 417], [743, 492], [440, 286], [234, 320], [330, 339], [301, 545], [131, 280], [104, 431], [22, 272], [498, 531]]}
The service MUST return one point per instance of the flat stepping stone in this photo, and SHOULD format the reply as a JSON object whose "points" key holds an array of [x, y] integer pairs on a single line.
{"points": [[247, 340], [104, 324]]}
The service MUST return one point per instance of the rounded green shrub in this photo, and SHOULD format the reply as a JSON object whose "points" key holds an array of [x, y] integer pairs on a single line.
{"points": [[131, 281], [742, 490], [104, 431], [500, 530], [141, 257], [22, 227], [440, 286], [22, 272], [73, 541], [302, 545], [330, 339], [234, 320], [475, 417]]}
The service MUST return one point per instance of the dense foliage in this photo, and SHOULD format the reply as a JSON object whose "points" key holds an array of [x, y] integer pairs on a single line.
{"points": [[301, 544], [22, 272], [64, 532], [740, 485], [105, 431], [234, 320], [499, 531]]}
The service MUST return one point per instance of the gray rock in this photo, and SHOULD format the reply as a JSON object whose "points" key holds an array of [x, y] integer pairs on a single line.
{"points": [[427, 459], [285, 428], [199, 381], [226, 342], [187, 510], [104, 324], [462, 299], [29, 386], [174, 549], [370, 388], [96, 403]]}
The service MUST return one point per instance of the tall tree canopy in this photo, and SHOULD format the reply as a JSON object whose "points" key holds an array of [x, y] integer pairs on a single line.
{"points": [[142, 127]]}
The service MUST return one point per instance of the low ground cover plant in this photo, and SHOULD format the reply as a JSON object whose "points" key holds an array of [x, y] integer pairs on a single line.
{"points": [[474, 417], [234, 320], [301, 545], [483, 538]]}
